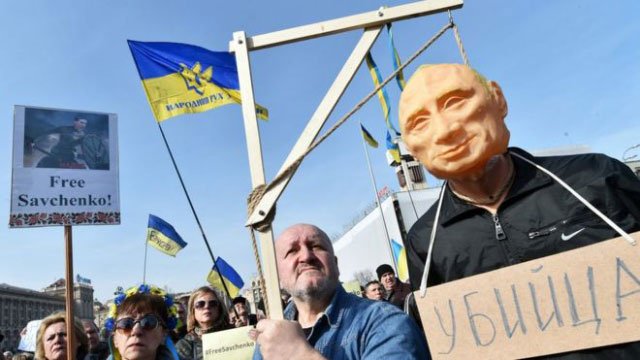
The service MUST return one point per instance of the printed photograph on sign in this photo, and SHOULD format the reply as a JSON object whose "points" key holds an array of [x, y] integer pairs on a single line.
{"points": [[65, 140], [65, 168]]}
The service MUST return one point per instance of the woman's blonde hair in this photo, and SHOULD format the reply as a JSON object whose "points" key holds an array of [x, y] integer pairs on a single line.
{"points": [[60, 317], [222, 322]]}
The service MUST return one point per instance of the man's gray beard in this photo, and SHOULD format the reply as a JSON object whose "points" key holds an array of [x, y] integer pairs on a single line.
{"points": [[323, 289]]}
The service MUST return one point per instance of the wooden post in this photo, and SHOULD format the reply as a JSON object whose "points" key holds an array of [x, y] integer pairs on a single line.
{"points": [[71, 339]]}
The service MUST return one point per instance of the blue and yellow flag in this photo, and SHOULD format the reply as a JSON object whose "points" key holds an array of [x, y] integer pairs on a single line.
{"points": [[382, 92], [185, 79], [400, 255], [392, 148], [162, 236], [231, 278], [395, 59], [367, 137]]}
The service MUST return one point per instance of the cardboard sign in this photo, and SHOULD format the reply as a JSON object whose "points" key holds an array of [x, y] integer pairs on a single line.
{"points": [[233, 344], [65, 168], [583, 298]]}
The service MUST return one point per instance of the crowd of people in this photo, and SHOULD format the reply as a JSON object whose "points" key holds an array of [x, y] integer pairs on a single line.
{"points": [[146, 323], [493, 201]]}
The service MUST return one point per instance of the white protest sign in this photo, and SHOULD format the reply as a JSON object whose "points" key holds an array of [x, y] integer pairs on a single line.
{"points": [[28, 336], [578, 299], [233, 344], [65, 168]]}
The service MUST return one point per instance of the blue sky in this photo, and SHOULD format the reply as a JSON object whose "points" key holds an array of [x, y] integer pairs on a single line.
{"points": [[569, 70]]}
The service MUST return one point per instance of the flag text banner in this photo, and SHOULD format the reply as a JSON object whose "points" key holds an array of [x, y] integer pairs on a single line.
{"points": [[186, 79], [578, 299], [162, 236]]}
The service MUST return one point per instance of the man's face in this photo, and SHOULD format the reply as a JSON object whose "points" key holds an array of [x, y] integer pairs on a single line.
{"points": [[182, 312], [388, 280], [452, 121], [80, 124], [92, 334], [243, 317], [240, 306], [307, 267], [374, 291]]}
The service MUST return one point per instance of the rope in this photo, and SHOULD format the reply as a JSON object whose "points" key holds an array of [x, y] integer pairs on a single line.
{"points": [[258, 192], [432, 240], [456, 34], [256, 255]]}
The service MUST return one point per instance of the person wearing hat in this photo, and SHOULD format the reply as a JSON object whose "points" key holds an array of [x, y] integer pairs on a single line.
{"points": [[396, 290], [241, 315]]}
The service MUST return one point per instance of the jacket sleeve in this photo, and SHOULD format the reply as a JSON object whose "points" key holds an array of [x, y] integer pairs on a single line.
{"points": [[393, 335], [184, 348], [627, 190]]}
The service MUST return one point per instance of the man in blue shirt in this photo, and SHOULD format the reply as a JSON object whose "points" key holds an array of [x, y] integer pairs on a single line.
{"points": [[323, 321]]}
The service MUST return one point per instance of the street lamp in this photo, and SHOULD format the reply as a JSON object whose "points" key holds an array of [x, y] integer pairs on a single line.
{"points": [[625, 158]]}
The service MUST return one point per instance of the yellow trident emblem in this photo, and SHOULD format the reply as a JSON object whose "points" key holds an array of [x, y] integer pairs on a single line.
{"points": [[194, 78]]}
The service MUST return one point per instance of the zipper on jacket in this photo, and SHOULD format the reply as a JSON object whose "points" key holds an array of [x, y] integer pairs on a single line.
{"points": [[502, 240], [542, 232], [548, 230], [500, 235]]}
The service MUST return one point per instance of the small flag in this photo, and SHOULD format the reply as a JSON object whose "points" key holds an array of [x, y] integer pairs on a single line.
{"points": [[400, 255], [185, 79], [231, 278], [382, 93], [368, 138], [162, 236], [392, 148], [395, 59]]}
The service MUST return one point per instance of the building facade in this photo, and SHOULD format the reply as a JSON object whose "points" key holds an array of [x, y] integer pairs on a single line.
{"points": [[18, 306], [82, 297]]}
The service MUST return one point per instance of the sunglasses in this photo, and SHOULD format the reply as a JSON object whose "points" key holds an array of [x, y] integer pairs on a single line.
{"points": [[210, 304], [147, 322]]}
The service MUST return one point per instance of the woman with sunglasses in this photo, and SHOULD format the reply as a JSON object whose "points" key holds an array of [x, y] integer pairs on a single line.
{"points": [[51, 339], [207, 314], [140, 320]]}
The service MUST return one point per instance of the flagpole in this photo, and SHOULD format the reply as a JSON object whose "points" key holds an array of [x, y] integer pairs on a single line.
{"points": [[375, 193], [144, 271], [193, 210]]}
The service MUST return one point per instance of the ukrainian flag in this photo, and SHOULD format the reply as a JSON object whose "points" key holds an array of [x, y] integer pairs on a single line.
{"points": [[382, 92], [162, 236], [400, 255], [185, 79], [368, 138], [231, 278], [392, 148]]}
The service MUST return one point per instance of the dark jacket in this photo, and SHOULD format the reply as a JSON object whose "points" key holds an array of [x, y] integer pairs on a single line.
{"points": [[101, 352], [397, 296], [190, 346], [536, 214]]}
